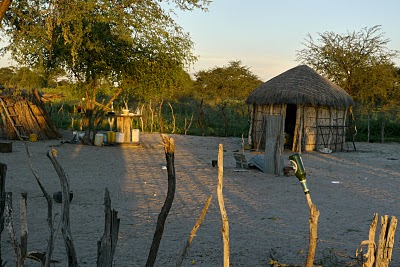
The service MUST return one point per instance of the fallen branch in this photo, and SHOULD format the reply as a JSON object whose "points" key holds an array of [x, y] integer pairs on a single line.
{"points": [[169, 147]]}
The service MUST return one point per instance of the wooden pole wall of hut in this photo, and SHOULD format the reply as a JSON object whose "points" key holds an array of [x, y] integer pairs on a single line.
{"points": [[316, 128], [251, 122]]}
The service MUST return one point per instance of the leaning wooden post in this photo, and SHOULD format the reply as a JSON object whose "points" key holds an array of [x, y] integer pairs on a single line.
{"points": [[108, 242], [3, 170], [65, 229], [225, 221], [300, 173], [193, 232], [169, 147], [50, 240]]}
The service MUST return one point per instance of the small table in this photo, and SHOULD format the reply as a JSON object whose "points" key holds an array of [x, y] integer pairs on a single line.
{"points": [[124, 124]]}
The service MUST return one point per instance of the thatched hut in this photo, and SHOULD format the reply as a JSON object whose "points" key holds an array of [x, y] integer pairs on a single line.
{"points": [[313, 110], [22, 114]]}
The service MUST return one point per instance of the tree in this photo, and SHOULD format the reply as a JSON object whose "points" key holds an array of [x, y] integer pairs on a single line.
{"points": [[6, 74], [100, 41], [232, 82], [224, 87], [359, 62]]}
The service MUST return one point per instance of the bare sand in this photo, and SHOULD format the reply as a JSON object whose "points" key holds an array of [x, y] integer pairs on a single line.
{"points": [[268, 215]]}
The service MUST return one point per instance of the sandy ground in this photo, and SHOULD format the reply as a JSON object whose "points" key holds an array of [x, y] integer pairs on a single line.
{"points": [[268, 214]]}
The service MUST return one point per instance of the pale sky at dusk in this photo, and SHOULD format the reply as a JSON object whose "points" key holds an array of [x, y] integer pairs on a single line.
{"points": [[266, 34]]}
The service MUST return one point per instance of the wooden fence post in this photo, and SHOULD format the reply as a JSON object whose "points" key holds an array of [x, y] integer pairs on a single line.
{"points": [[108, 242], [65, 229], [225, 221], [3, 171], [169, 147], [274, 140]]}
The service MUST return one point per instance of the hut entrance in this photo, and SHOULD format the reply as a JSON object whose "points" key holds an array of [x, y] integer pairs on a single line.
{"points": [[290, 124]]}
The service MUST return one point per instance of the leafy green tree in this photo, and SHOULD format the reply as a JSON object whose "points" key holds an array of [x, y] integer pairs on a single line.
{"points": [[359, 62], [224, 87], [232, 82], [6, 74], [101, 42]]}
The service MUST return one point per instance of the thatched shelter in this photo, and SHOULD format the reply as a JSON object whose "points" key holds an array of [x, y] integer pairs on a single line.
{"points": [[313, 110], [23, 114]]}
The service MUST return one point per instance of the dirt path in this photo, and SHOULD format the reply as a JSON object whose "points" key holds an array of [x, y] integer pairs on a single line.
{"points": [[268, 214]]}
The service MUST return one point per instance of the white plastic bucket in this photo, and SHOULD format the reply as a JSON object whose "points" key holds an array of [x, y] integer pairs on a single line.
{"points": [[120, 137], [98, 139], [135, 135]]}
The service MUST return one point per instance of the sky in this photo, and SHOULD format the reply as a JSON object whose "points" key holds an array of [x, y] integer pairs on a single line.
{"points": [[266, 34]]}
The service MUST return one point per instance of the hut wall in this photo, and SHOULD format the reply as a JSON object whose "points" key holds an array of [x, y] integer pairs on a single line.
{"points": [[316, 127], [324, 127], [258, 122]]}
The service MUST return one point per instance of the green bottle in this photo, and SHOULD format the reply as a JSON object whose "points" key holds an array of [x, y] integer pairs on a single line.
{"points": [[300, 172]]}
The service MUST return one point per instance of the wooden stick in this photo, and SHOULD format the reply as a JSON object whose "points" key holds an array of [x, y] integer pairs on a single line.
{"points": [[193, 232], [370, 255], [3, 171], [314, 215], [108, 242], [225, 221], [50, 240], [66, 230], [24, 225], [169, 147], [386, 241], [19, 248]]}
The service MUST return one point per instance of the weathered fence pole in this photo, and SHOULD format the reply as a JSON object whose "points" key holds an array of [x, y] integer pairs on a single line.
{"points": [[3, 171], [225, 221], [65, 229], [50, 240], [169, 147], [274, 139], [108, 242], [20, 248], [386, 241]]}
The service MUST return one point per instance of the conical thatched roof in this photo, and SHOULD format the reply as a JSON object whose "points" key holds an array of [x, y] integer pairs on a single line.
{"points": [[300, 85]]}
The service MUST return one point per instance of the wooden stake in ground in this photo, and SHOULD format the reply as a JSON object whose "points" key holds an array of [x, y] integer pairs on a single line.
{"points": [[50, 240], [65, 229], [3, 171], [193, 232], [386, 241], [225, 221], [300, 173], [21, 247], [108, 242], [169, 147]]}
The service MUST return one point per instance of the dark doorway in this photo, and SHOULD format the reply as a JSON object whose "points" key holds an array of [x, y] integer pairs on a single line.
{"points": [[290, 124]]}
